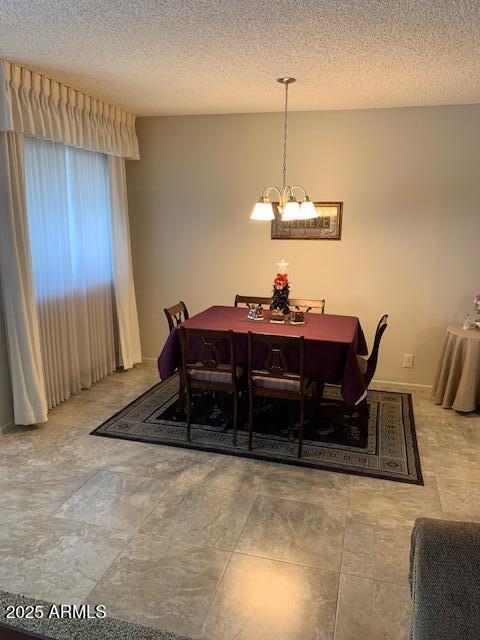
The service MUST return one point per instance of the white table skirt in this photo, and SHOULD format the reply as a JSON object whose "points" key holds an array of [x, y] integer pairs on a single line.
{"points": [[457, 383]]}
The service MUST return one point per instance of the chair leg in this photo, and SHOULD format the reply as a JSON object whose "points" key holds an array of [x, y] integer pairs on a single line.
{"points": [[222, 403], [318, 395], [319, 389], [315, 404], [250, 419], [181, 394], [189, 414], [235, 417], [302, 426], [363, 417], [291, 420]]}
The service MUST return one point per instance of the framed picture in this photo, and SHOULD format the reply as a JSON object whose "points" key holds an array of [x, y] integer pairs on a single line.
{"points": [[328, 226]]}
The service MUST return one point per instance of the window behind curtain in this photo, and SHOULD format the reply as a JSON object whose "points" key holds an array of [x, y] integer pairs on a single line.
{"points": [[70, 235]]}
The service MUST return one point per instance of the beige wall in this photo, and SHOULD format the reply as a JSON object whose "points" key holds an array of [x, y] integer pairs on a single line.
{"points": [[410, 183]]}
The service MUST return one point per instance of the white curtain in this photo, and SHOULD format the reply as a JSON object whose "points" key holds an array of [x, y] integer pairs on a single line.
{"points": [[70, 235], [36, 105], [21, 322], [126, 306], [66, 267]]}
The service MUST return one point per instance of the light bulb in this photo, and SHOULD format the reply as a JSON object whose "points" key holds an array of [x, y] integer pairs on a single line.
{"points": [[308, 210], [291, 210], [263, 210]]}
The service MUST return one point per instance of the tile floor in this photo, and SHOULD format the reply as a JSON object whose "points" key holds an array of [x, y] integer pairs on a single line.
{"points": [[218, 547]]}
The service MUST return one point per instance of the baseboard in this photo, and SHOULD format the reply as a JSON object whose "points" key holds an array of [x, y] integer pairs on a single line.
{"points": [[415, 385], [6, 426], [149, 362]]}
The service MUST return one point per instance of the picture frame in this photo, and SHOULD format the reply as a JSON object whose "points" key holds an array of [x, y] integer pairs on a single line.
{"points": [[326, 227]]}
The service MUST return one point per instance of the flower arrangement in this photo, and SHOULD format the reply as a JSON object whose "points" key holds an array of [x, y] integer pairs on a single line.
{"points": [[476, 304]]}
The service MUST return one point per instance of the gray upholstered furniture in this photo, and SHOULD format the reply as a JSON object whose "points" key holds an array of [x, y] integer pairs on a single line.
{"points": [[445, 580]]}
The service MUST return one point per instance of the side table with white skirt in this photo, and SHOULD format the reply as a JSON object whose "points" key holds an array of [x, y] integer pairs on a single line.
{"points": [[457, 382]]}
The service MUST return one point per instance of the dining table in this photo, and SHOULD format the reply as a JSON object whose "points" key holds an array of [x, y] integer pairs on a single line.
{"points": [[332, 343]]}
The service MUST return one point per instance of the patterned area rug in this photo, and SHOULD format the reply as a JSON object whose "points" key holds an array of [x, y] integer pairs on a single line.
{"points": [[332, 440]]}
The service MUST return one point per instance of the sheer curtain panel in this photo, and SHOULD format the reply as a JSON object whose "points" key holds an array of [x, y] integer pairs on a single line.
{"points": [[71, 246], [29, 400], [65, 261], [126, 305]]}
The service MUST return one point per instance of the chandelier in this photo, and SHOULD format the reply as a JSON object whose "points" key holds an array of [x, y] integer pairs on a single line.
{"points": [[290, 208]]}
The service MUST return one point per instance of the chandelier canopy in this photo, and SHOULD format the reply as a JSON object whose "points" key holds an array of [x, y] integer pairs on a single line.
{"points": [[290, 208]]}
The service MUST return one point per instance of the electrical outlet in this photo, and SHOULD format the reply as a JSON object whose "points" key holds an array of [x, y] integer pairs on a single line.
{"points": [[408, 360]]}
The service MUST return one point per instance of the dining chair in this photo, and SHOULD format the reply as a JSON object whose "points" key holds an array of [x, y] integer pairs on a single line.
{"points": [[176, 314], [209, 362], [309, 304], [368, 365], [276, 378], [251, 300]]}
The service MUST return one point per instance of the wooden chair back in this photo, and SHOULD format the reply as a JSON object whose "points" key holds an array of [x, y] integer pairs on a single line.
{"points": [[176, 314], [373, 357], [214, 351], [251, 301], [275, 363], [309, 304]]}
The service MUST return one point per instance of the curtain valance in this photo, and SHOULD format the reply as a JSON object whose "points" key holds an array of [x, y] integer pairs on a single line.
{"points": [[35, 105]]}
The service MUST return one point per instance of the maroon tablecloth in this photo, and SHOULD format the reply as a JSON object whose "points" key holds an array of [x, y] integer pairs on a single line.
{"points": [[331, 345]]}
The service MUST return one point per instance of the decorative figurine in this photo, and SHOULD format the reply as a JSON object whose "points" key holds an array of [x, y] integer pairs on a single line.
{"points": [[279, 306], [256, 313], [277, 316], [297, 316]]}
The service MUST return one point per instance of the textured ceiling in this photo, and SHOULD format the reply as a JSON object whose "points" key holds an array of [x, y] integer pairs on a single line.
{"points": [[222, 56]]}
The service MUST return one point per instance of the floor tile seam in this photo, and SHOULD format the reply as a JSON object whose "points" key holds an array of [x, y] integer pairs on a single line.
{"points": [[290, 499], [132, 531], [357, 575], [31, 513], [159, 537], [108, 568], [75, 491], [469, 483], [341, 562], [214, 593], [439, 496], [128, 473], [93, 581], [171, 538], [351, 511], [283, 561], [337, 606], [93, 524], [362, 519], [227, 564], [396, 584], [155, 503], [164, 494]]}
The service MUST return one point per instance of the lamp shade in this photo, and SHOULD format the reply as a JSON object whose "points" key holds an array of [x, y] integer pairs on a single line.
{"points": [[263, 210], [307, 210], [291, 210]]}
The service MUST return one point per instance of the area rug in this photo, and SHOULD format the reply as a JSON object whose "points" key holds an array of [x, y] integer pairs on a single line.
{"points": [[332, 438], [49, 627]]}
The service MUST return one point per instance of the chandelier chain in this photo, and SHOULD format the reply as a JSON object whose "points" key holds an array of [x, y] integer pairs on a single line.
{"points": [[285, 126], [289, 206]]}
